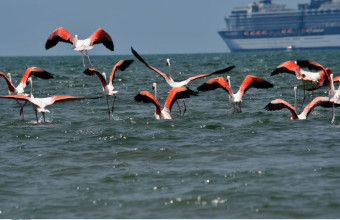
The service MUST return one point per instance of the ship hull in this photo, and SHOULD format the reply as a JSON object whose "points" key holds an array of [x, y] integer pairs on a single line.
{"points": [[282, 43]]}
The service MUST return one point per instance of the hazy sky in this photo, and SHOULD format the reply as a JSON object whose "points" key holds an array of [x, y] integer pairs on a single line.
{"points": [[150, 26]]}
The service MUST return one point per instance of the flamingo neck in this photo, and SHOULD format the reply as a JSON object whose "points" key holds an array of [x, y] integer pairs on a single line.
{"points": [[31, 82], [295, 99], [231, 95], [332, 90], [170, 70]]}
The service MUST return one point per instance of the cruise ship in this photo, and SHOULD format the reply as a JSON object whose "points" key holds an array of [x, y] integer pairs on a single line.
{"points": [[266, 26]]}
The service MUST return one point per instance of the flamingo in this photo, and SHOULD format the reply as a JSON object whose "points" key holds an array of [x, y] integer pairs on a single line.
{"points": [[108, 88], [334, 96], [170, 80], [174, 94], [236, 99], [294, 67], [99, 36], [31, 71], [278, 104], [40, 104]]}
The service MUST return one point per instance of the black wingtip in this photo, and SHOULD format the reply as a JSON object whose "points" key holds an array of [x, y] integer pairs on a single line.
{"points": [[125, 65], [90, 71]]}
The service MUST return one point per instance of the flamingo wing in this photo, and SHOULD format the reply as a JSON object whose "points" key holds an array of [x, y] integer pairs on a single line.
{"points": [[36, 71], [92, 72], [336, 79], [147, 97], [288, 67], [318, 101], [310, 64], [210, 74], [60, 34], [255, 82], [121, 65], [60, 98], [10, 85], [178, 93], [101, 36], [17, 97], [150, 67], [279, 104], [218, 82]]}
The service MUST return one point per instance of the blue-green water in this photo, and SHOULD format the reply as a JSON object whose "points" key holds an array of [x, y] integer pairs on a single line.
{"points": [[211, 163]]}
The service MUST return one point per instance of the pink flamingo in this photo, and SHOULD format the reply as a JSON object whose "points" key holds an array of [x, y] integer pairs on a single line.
{"points": [[170, 80], [174, 94], [40, 104], [236, 98], [19, 90], [108, 88], [99, 36]]}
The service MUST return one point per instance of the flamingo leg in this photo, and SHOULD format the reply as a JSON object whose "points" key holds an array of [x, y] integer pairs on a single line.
{"points": [[36, 115], [21, 112], [333, 114], [108, 107], [185, 107], [179, 108], [87, 54], [82, 56], [43, 113], [113, 103]]}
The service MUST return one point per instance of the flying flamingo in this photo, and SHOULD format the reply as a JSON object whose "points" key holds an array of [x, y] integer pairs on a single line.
{"points": [[99, 36], [40, 104], [175, 93], [321, 77], [236, 99], [170, 80], [108, 88], [279, 104], [19, 90]]}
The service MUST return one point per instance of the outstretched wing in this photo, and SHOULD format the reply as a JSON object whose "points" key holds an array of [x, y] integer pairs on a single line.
{"points": [[225, 70], [178, 93], [310, 64], [121, 65], [318, 101], [251, 81], [101, 36], [36, 71], [60, 98], [218, 82], [147, 97], [10, 85], [279, 104], [60, 34], [147, 65], [17, 97], [288, 67], [92, 72]]}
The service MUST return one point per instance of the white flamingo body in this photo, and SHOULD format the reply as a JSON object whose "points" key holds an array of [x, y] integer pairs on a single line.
{"points": [[80, 45]]}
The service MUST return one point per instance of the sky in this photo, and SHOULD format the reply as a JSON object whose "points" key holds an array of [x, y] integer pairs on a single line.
{"points": [[149, 26]]}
